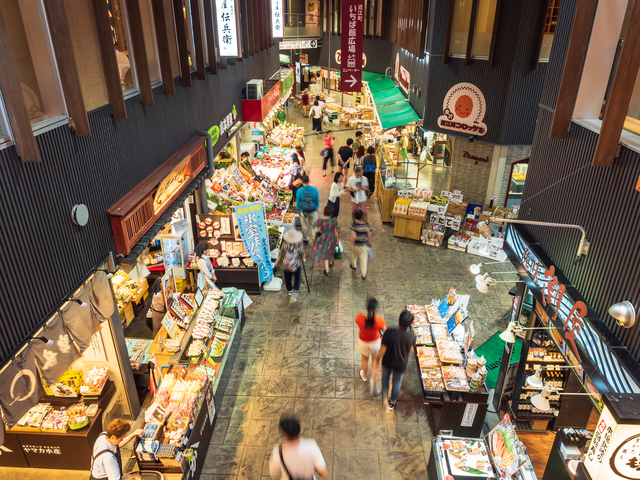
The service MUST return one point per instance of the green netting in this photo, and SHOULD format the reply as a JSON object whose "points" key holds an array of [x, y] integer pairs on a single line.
{"points": [[387, 97], [396, 115], [381, 84], [370, 76]]}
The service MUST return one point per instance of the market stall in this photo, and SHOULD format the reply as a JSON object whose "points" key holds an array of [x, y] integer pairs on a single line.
{"points": [[498, 455]]}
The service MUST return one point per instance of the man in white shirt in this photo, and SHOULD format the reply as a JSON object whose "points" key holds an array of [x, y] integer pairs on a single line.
{"points": [[358, 185], [106, 462], [298, 458]]}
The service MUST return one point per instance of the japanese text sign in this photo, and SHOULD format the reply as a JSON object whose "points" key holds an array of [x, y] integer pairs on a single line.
{"points": [[227, 23], [277, 19], [352, 35], [253, 232], [463, 110], [614, 451]]}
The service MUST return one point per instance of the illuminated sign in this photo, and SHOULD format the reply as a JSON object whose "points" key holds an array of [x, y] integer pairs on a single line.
{"points": [[171, 183], [463, 110]]}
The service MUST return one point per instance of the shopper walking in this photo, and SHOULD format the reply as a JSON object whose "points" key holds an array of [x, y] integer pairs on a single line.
{"points": [[297, 458], [320, 102], [158, 307], [324, 248], [316, 117], [305, 101], [295, 170], [106, 462], [358, 157], [358, 186], [337, 189], [369, 341], [369, 166], [345, 153], [360, 243], [397, 344], [291, 255], [307, 203], [301, 157], [358, 141], [204, 264], [327, 153]]}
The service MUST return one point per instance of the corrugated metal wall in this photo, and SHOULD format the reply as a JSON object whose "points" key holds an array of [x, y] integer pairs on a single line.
{"points": [[44, 255], [563, 187]]}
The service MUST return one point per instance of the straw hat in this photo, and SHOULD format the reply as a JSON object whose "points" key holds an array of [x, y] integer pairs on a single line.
{"points": [[292, 236]]}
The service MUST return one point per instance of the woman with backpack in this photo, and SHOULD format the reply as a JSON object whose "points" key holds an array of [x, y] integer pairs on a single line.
{"points": [[369, 340], [292, 255], [324, 248], [369, 167]]}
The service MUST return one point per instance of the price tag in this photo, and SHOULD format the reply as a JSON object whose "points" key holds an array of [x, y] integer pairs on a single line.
{"points": [[445, 193]]}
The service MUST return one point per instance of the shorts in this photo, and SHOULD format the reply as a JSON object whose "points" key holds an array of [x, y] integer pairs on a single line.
{"points": [[369, 349], [362, 206]]}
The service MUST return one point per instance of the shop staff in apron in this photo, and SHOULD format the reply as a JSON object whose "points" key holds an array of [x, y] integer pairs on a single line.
{"points": [[106, 462], [204, 263]]}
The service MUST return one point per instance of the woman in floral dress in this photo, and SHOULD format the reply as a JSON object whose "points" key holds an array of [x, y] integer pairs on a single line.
{"points": [[326, 242]]}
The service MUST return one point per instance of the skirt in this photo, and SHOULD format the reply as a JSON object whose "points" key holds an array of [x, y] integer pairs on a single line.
{"points": [[336, 207]]}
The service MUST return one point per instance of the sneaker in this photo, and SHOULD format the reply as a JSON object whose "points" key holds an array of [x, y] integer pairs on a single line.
{"points": [[390, 407], [290, 293], [363, 376], [294, 297]]}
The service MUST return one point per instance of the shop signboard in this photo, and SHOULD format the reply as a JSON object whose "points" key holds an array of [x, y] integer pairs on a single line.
{"points": [[277, 19], [227, 23], [569, 319], [287, 83], [404, 80], [253, 231], [171, 184], [351, 45], [298, 44], [270, 100], [614, 452], [463, 110], [304, 59]]}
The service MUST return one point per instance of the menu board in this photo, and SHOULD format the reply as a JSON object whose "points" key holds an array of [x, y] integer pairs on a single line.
{"points": [[221, 234], [506, 451]]}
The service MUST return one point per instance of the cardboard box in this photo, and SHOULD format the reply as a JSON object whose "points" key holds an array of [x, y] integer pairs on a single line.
{"points": [[457, 208]]}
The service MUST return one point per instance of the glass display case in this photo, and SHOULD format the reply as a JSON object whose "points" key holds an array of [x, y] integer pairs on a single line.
{"points": [[175, 251], [516, 183]]}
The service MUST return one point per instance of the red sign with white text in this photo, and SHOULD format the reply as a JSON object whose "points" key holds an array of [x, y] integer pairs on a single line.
{"points": [[352, 35]]}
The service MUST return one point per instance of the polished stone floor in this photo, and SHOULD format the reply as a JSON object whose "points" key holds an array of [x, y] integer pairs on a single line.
{"points": [[301, 359]]}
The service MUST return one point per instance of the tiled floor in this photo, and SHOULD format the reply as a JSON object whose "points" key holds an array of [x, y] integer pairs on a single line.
{"points": [[301, 359]]}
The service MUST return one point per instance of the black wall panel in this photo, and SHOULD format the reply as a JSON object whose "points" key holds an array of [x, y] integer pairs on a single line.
{"points": [[563, 187], [44, 255]]}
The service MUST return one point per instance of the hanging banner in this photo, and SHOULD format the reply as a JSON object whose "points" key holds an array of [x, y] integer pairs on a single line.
{"points": [[253, 232], [20, 387], [352, 35], [55, 359], [463, 110], [80, 321], [101, 297], [227, 22], [277, 19]]}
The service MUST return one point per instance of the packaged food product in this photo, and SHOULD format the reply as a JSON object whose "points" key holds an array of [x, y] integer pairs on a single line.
{"points": [[450, 352], [432, 379], [94, 380], [455, 378], [428, 357], [78, 416]]}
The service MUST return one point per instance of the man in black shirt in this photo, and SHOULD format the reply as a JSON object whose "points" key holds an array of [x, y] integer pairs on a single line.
{"points": [[345, 153], [397, 344]]}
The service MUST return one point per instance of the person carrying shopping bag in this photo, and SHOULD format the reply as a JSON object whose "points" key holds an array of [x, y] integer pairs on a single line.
{"points": [[324, 248], [360, 243], [337, 189], [291, 255], [369, 340], [307, 203]]}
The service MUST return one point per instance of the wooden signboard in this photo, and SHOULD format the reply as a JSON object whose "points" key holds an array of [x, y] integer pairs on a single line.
{"points": [[136, 212]]}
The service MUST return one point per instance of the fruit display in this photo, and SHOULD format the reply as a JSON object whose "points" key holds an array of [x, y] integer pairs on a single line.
{"points": [[287, 135]]}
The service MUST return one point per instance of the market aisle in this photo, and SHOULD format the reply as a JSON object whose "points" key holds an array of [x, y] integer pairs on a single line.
{"points": [[302, 359]]}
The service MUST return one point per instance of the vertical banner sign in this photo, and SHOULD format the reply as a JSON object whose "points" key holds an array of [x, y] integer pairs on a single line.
{"points": [[277, 19], [253, 232], [352, 34], [227, 23]]}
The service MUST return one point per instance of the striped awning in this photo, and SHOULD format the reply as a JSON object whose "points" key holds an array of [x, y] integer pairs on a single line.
{"points": [[607, 364]]}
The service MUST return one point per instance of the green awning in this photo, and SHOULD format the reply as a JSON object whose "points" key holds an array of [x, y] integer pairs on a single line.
{"points": [[381, 84], [370, 76], [387, 97], [397, 115]]}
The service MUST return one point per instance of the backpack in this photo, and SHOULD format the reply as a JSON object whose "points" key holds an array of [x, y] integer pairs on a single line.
{"points": [[307, 203], [290, 258], [370, 167]]}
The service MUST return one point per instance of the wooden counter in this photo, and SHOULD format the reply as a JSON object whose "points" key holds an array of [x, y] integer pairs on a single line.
{"points": [[386, 198], [407, 226]]}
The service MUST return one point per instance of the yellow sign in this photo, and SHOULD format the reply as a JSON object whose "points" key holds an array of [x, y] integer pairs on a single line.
{"points": [[171, 183]]}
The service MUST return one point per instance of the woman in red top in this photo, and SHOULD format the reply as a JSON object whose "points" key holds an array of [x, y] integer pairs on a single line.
{"points": [[369, 340]]}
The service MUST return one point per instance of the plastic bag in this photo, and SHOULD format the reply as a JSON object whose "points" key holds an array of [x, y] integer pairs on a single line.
{"points": [[370, 253], [339, 250]]}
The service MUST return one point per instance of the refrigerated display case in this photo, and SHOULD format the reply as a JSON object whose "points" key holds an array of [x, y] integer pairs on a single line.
{"points": [[175, 251]]}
